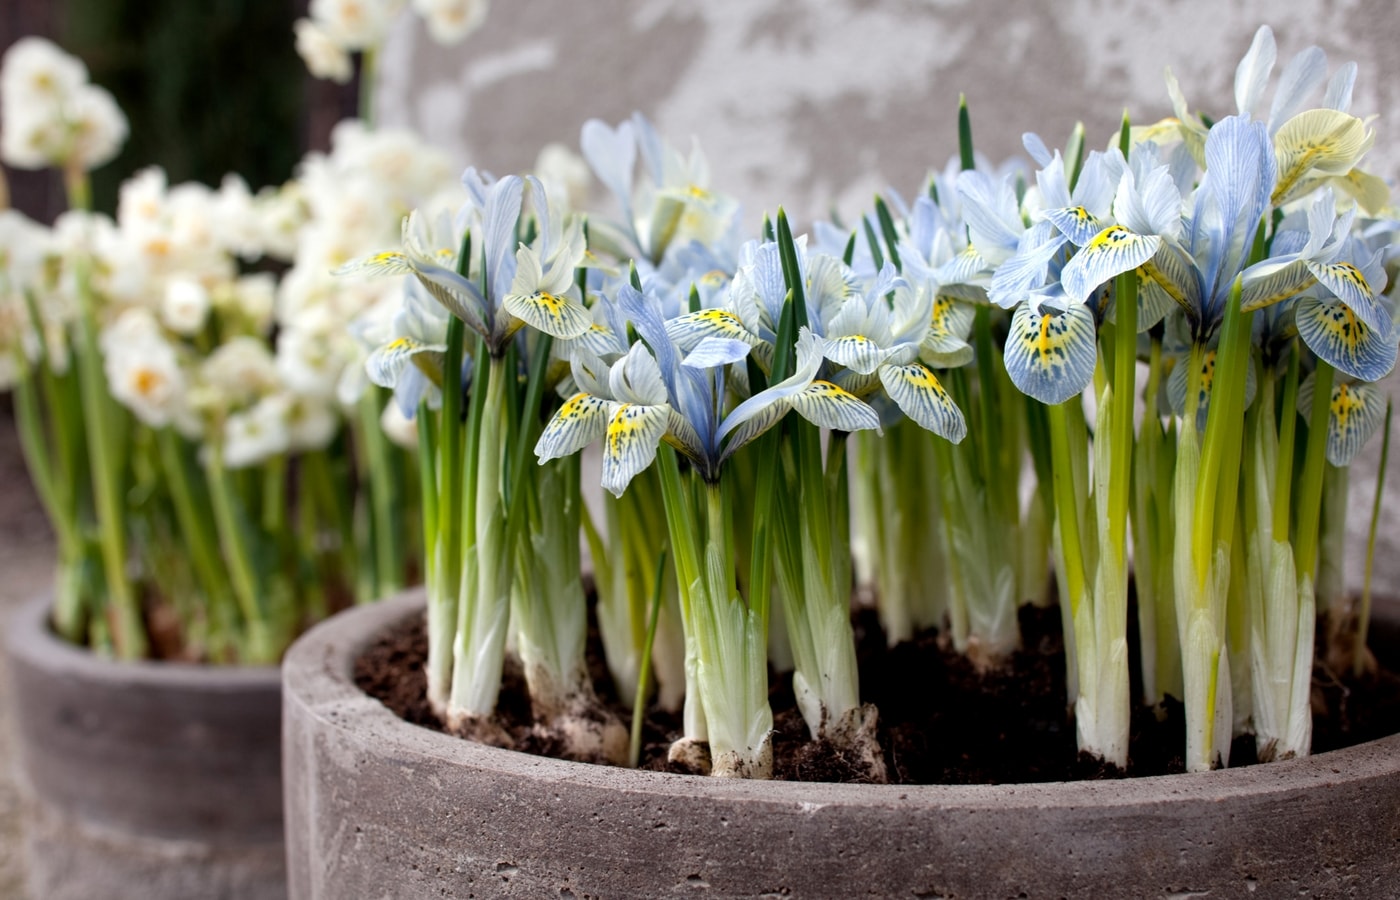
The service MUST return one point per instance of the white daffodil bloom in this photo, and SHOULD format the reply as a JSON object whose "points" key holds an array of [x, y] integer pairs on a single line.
{"points": [[323, 55], [451, 21], [185, 307], [143, 369], [52, 116]]}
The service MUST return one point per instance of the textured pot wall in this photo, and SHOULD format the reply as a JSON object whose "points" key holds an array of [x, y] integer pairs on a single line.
{"points": [[811, 104], [380, 808], [144, 781]]}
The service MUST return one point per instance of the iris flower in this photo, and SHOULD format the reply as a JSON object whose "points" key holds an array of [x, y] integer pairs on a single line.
{"points": [[653, 394]]}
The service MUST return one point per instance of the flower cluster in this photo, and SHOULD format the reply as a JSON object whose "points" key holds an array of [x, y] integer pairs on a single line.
{"points": [[338, 28], [52, 115], [193, 358], [960, 345]]}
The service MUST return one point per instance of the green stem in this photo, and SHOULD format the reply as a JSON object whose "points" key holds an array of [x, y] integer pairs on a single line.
{"points": [[386, 531], [988, 438], [1124, 395], [193, 518], [1314, 467], [427, 472], [233, 537], [483, 611], [1067, 504], [104, 424], [1363, 623], [443, 547], [369, 67], [1287, 439], [37, 458], [639, 704], [1217, 493]]}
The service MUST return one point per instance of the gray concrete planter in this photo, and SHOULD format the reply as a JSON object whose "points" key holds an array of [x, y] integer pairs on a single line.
{"points": [[147, 781], [380, 808]]}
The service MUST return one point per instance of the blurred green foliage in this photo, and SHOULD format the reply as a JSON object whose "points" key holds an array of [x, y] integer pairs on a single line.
{"points": [[209, 86]]}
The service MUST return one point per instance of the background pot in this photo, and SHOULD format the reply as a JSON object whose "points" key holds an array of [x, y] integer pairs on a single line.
{"points": [[144, 780], [377, 807]]}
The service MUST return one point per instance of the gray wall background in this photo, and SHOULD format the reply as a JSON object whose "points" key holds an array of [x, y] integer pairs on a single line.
{"points": [[815, 103]]}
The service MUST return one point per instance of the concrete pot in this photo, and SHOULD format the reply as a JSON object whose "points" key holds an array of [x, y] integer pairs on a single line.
{"points": [[144, 780], [380, 808]]}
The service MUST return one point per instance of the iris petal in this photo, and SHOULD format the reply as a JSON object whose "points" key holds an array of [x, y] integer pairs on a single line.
{"points": [[1355, 414], [390, 263], [828, 406], [691, 328], [555, 314], [916, 391], [1113, 251], [1336, 334], [460, 297], [1346, 281], [579, 422], [630, 443], [1050, 357], [856, 352], [1268, 283], [386, 364]]}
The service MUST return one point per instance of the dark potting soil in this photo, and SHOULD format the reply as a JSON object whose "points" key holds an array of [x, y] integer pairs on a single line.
{"points": [[941, 720]]}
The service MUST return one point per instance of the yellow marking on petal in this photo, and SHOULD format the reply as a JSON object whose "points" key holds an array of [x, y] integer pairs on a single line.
{"points": [[401, 343], [698, 193], [147, 381], [576, 406], [1344, 403], [713, 278], [1110, 237], [1172, 288], [622, 430], [942, 310], [1325, 141], [719, 317], [1348, 274], [918, 393], [1207, 379], [1342, 327], [923, 379], [831, 406]]}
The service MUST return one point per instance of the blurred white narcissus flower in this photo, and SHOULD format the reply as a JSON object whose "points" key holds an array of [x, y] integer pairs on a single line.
{"points": [[257, 433], [310, 358], [36, 70], [23, 247], [98, 127], [450, 21], [52, 116], [239, 371], [324, 57], [185, 306], [355, 24], [311, 423], [253, 297], [143, 369], [400, 429]]}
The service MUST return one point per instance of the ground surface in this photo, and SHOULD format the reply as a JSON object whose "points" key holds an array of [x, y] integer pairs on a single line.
{"points": [[26, 566]]}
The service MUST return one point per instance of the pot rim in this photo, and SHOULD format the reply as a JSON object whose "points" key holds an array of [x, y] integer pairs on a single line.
{"points": [[30, 638], [318, 679]]}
